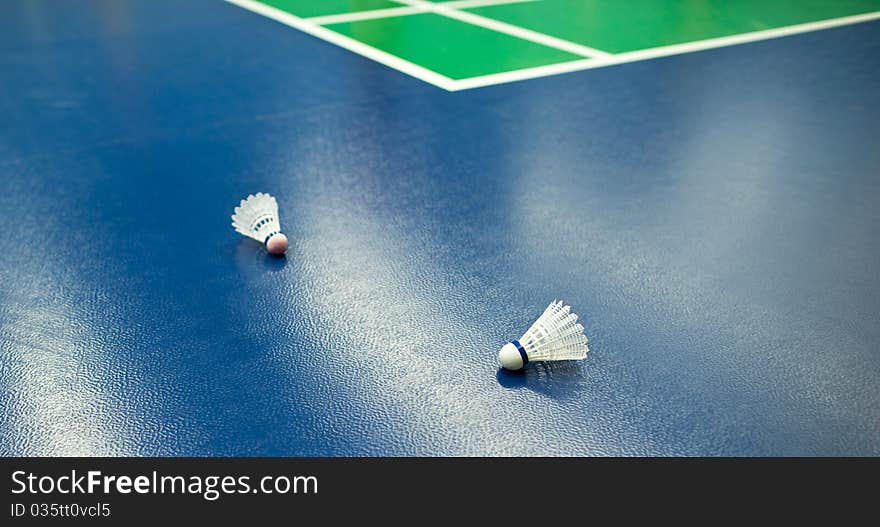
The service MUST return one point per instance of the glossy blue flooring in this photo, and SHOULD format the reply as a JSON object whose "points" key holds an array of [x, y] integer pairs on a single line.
{"points": [[712, 216]]}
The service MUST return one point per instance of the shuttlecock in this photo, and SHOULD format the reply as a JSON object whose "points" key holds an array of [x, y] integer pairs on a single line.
{"points": [[556, 335], [257, 217]]}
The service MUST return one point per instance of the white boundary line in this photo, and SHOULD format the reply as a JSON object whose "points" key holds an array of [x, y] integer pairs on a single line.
{"points": [[387, 12], [403, 11], [468, 4], [663, 51], [350, 44], [503, 27]]}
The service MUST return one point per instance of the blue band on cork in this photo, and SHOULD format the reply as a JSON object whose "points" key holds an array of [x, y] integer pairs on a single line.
{"points": [[522, 351]]}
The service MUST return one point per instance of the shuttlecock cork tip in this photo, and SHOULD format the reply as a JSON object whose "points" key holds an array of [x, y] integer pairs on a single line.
{"points": [[512, 356], [277, 244]]}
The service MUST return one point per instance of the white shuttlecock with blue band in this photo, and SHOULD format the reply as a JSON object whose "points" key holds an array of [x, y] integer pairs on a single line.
{"points": [[556, 335], [257, 217]]}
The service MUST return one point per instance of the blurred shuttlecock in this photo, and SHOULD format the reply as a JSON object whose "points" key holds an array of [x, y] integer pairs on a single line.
{"points": [[257, 217], [556, 335]]}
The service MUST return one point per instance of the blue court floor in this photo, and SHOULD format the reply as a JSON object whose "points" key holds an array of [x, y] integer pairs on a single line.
{"points": [[712, 216]]}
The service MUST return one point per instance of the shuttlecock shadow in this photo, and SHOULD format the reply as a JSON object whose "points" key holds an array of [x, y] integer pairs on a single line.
{"points": [[557, 380]]}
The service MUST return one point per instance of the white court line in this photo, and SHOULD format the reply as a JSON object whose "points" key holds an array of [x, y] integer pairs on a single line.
{"points": [[364, 15], [468, 4], [662, 51], [402, 11], [503, 27], [350, 44]]}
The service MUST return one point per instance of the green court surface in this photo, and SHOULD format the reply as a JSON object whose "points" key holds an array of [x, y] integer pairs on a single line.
{"points": [[460, 51], [460, 44], [616, 26]]}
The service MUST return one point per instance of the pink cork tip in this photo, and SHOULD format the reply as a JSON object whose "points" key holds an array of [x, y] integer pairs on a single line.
{"points": [[277, 244]]}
